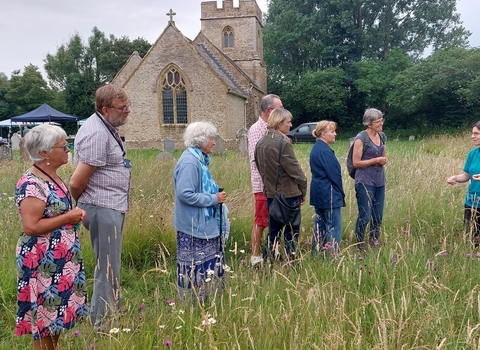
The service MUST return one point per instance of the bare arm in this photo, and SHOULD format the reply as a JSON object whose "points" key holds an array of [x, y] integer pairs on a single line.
{"points": [[80, 178], [34, 224], [357, 157], [463, 177]]}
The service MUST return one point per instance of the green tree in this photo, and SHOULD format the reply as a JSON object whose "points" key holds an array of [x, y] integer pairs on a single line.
{"points": [[4, 105], [77, 70], [440, 90], [26, 91]]}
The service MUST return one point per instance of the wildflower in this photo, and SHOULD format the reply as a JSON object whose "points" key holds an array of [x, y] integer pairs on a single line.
{"points": [[360, 267], [210, 272], [178, 327], [161, 217], [207, 280], [360, 258], [92, 346], [406, 232], [181, 311], [429, 262], [167, 342], [141, 306], [114, 330], [477, 255], [469, 255], [249, 298], [76, 333], [227, 268], [243, 261], [407, 221], [126, 330], [308, 242], [444, 253], [151, 216], [161, 326], [170, 302], [242, 251], [393, 260], [376, 243], [210, 320], [435, 268]]}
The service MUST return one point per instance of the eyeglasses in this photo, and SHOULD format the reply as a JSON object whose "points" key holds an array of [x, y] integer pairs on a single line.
{"points": [[65, 147], [381, 120], [124, 108], [475, 134]]}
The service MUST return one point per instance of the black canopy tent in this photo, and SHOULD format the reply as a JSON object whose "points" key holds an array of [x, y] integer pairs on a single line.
{"points": [[44, 113]]}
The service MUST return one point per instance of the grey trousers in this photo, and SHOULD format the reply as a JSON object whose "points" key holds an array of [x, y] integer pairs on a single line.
{"points": [[106, 232]]}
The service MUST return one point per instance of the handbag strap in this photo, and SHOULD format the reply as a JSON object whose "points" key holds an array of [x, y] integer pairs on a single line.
{"points": [[278, 166]]}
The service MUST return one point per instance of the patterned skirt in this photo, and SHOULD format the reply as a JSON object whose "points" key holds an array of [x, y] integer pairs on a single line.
{"points": [[200, 271]]}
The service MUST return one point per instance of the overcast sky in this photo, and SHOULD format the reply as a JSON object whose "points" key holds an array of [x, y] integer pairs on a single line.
{"points": [[30, 29]]}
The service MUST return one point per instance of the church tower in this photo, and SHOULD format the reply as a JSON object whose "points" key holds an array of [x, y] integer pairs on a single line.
{"points": [[237, 31]]}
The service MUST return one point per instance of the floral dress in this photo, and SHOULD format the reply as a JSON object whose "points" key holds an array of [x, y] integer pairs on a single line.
{"points": [[51, 290]]}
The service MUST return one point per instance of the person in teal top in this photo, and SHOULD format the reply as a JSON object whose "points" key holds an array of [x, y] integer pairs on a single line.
{"points": [[471, 172]]}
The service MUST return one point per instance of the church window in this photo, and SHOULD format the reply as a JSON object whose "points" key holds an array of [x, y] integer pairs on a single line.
{"points": [[228, 37], [174, 98]]}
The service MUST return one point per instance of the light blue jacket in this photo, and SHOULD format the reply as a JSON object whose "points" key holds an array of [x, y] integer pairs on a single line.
{"points": [[190, 201]]}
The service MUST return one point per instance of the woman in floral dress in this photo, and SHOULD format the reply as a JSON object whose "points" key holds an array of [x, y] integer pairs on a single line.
{"points": [[51, 290]]}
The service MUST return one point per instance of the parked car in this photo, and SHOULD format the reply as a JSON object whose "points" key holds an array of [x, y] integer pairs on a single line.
{"points": [[3, 141], [303, 133]]}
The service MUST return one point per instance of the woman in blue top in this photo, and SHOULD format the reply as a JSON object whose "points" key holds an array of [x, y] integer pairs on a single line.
{"points": [[326, 190], [200, 260], [370, 176], [471, 171]]}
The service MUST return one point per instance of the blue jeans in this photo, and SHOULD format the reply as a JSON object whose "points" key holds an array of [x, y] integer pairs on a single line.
{"points": [[290, 234], [326, 230], [370, 200]]}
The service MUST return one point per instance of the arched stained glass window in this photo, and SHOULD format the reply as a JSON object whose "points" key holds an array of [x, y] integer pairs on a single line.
{"points": [[174, 98]]}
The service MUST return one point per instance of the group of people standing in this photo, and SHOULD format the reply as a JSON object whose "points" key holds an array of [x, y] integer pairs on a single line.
{"points": [[276, 170]]}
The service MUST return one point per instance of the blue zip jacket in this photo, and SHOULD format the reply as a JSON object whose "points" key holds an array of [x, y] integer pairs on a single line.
{"points": [[326, 189]]}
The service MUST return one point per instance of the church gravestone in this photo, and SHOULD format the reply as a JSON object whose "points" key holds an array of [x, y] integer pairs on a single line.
{"points": [[242, 141], [219, 145], [15, 141], [5, 152], [168, 148]]}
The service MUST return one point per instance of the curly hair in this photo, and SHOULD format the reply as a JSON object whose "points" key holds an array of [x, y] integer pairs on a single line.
{"points": [[197, 134]]}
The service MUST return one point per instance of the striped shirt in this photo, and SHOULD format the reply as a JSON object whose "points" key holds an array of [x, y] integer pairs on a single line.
{"points": [[255, 133], [95, 145]]}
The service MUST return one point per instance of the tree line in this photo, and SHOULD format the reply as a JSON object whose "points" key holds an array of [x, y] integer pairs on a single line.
{"points": [[327, 59]]}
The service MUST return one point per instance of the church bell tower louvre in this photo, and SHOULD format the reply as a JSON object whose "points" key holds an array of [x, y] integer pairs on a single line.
{"points": [[238, 32]]}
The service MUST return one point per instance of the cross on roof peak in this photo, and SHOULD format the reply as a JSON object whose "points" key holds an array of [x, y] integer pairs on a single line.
{"points": [[171, 14]]}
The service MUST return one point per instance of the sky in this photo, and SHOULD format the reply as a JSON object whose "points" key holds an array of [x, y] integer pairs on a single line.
{"points": [[31, 29]]}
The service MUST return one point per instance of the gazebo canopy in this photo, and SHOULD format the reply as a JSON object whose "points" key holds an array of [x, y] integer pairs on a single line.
{"points": [[44, 113]]}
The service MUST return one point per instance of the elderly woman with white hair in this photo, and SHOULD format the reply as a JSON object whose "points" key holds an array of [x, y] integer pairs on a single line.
{"points": [[200, 259], [51, 289]]}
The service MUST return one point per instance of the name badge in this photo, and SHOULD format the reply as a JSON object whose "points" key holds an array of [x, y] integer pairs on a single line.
{"points": [[126, 163]]}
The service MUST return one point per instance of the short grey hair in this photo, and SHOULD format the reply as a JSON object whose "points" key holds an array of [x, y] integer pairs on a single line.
{"points": [[370, 115], [268, 101], [197, 134], [42, 138]]}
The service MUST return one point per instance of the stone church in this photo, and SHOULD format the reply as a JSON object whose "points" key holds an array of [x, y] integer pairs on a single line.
{"points": [[220, 77]]}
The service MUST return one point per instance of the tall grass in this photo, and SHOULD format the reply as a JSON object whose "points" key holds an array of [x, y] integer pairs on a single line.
{"points": [[418, 289]]}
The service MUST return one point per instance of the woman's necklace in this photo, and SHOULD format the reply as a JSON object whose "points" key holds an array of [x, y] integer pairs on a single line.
{"points": [[67, 194]]}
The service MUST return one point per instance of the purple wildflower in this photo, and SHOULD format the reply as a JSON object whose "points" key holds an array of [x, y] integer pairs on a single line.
{"points": [[141, 306], [76, 333], [167, 342]]}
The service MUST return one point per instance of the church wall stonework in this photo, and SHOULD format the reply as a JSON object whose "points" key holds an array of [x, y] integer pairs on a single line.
{"points": [[217, 91]]}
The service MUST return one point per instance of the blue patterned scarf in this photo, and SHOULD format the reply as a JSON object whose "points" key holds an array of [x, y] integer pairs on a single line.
{"points": [[209, 185]]}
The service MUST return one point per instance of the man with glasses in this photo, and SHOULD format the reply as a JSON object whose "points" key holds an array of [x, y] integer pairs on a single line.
{"points": [[100, 185]]}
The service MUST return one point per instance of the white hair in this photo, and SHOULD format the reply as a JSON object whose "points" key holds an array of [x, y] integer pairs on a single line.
{"points": [[42, 138], [197, 134]]}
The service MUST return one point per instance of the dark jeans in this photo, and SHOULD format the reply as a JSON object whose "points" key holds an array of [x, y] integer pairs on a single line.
{"points": [[471, 222], [327, 227], [290, 234], [370, 200]]}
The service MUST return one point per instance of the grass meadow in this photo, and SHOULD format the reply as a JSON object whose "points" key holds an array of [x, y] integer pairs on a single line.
{"points": [[419, 289]]}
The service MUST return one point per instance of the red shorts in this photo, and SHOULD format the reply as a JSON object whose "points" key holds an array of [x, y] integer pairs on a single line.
{"points": [[261, 210]]}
